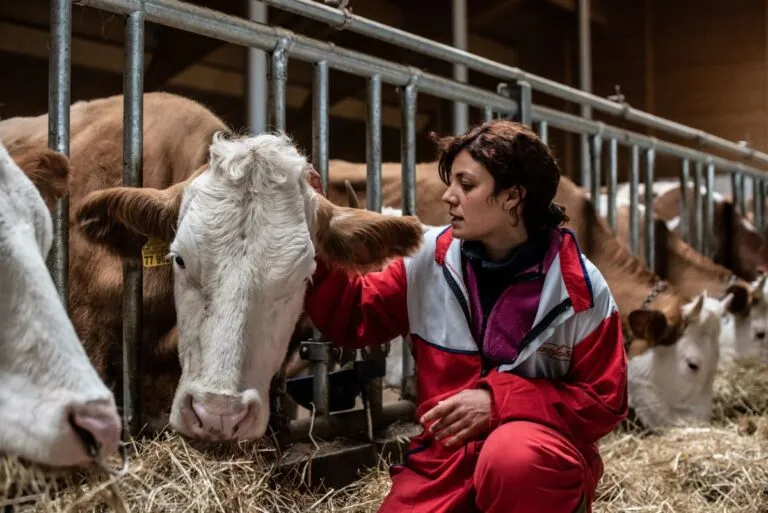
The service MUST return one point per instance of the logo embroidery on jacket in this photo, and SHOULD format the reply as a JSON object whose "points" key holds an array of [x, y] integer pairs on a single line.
{"points": [[556, 352]]}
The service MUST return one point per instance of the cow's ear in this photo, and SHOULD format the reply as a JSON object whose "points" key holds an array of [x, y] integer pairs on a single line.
{"points": [[649, 325], [358, 239], [48, 170]]}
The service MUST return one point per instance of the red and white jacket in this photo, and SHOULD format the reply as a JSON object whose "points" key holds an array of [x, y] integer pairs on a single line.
{"points": [[571, 370]]}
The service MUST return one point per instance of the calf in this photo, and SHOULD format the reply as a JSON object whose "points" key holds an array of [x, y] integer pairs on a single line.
{"points": [[54, 408]]}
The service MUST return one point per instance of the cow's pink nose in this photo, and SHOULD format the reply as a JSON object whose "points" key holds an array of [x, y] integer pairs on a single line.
{"points": [[102, 422], [221, 422]]}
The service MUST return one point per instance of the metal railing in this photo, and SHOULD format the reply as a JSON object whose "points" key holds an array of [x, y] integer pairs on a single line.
{"points": [[514, 100]]}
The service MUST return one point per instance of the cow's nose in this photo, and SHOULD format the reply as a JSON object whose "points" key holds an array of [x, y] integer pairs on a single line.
{"points": [[99, 424], [693, 366], [222, 419], [760, 335]]}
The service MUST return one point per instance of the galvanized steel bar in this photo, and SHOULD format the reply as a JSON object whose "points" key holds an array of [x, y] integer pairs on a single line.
{"points": [[742, 194], [133, 158], [239, 31], [650, 236], [613, 171], [526, 103], [697, 208], [59, 72], [634, 208], [597, 150], [487, 114], [709, 210], [685, 214], [761, 200], [256, 75], [373, 145], [344, 19], [459, 19], [585, 80], [758, 204], [320, 122], [408, 180], [544, 132], [278, 75]]}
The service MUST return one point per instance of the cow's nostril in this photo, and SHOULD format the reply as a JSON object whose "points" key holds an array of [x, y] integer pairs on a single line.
{"points": [[760, 335], [693, 366]]}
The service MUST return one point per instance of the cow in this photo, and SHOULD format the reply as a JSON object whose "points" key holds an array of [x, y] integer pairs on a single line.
{"points": [[241, 226], [54, 408], [678, 333]]}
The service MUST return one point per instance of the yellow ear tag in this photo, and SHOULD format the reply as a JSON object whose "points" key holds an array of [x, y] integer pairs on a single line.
{"points": [[155, 253]]}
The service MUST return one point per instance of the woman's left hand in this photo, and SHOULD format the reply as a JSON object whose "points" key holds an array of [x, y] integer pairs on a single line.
{"points": [[460, 417]]}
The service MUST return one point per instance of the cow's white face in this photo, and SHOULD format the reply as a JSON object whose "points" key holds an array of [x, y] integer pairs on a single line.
{"points": [[243, 255], [48, 387], [746, 335], [673, 384]]}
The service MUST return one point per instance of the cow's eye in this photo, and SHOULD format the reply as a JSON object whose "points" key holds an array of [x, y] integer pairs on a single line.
{"points": [[179, 261]]}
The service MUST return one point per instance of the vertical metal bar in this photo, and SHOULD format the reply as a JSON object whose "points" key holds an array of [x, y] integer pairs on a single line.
{"points": [[758, 203], [133, 157], [685, 213], [597, 150], [544, 132], [59, 71], [735, 191], [742, 192], [257, 75], [408, 179], [526, 103], [709, 209], [634, 179], [487, 114], [650, 236], [373, 146], [460, 74], [585, 79], [697, 208], [320, 122], [613, 171], [278, 76], [761, 199]]}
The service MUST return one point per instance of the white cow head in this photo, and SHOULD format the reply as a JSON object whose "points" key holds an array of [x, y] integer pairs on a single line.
{"points": [[52, 402], [244, 232], [745, 334], [670, 385]]}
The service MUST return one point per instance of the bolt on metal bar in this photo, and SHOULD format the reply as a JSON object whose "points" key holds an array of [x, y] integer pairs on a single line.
{"points": [[408, 179], [373, 145], [320, 122], [544, 132], [133, 158], [59, 74], [634, 179], [344, 19], [597, 150], [278, 71], [709, 210], [697, 208], [685, 215], [650, 236], [613, 163]]}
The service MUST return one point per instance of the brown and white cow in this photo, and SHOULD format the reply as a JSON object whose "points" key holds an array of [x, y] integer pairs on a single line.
{"points": [[53, 405], [243, 226]]}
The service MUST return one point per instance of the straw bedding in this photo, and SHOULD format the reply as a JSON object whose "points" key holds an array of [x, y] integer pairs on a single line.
{"points": [[719, 468]]}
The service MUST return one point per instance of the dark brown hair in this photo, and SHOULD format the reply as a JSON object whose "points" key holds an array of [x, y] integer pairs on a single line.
{"points": [[515, 156]]}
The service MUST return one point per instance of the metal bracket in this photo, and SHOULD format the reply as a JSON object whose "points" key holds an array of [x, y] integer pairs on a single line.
{"points": [[521, 93]]}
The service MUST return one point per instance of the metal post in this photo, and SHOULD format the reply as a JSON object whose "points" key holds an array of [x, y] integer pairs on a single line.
{"points": [[650, 239], [685, 214], [735, 191], [597, 150], [278, 78], [613, 157], [525, 103], [373, 146], [709, 210], [487, 114], [320, 123], [585, 79], [133, 157], [634, 179], [408, 179], [761, 201], [742, 193], [59, 71], [758, 204], [544, 132], [257, 75], [460, 110], [697, 208]]}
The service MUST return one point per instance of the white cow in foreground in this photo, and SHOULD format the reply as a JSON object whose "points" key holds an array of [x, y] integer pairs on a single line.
{"points": [[52, 401]]}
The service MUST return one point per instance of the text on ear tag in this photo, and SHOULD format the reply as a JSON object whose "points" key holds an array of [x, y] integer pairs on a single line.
{"points": [[155, 253]]}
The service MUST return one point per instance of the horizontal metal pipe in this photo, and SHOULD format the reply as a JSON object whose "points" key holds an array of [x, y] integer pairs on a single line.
{"points": [[576, 124], [350, 422], [225, 27], [343, 19]]}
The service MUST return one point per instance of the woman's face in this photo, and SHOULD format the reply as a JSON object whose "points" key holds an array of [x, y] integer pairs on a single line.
{"points": [[475, 213]]}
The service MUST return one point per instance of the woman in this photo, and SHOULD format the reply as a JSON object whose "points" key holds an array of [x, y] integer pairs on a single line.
{"points": [[516, 337]]}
